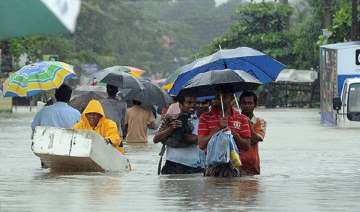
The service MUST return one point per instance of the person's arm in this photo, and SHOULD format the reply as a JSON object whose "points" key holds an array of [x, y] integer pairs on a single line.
{"points": [[242, 143], [166, 130], [258, 131], [35, 122], [152, 125], [243, 137], [126, 124], [151, 121], [204, 139], [122, 121], [255, 137], [112, 133]]}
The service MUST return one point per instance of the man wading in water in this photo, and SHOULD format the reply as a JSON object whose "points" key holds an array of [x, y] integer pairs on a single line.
{"points": [[213, 121], [176, 132], [250, 159]]}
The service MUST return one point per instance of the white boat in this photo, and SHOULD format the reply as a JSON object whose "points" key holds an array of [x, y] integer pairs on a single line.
{"points": [[76, 150]]}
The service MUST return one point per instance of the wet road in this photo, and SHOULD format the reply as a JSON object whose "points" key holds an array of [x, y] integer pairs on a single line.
{"points": [[305, 167]]}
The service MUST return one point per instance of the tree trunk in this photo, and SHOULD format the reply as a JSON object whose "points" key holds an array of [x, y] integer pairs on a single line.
{"points": [[6, 64], [354, 23], [327, 13]]}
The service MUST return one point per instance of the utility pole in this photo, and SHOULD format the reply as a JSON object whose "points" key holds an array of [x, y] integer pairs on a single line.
{"points": [[354, 22]]}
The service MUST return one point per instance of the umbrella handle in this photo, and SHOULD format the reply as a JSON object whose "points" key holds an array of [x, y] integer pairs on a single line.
{"points": [[237, 103], [222, 105]]}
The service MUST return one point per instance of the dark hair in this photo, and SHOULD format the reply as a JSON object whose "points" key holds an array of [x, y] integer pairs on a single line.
{"points": [[63, 93], [136, 102], [225, 89], [111, 90], [249, 94], [180, 98]]}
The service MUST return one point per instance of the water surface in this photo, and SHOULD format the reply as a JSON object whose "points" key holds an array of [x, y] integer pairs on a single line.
{"points": [[305, 167]]}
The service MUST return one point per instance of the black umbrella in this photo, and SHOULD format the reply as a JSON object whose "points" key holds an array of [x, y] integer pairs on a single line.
{"points": [[119, 79], [209, 83], [149, 96], [80, 102]]}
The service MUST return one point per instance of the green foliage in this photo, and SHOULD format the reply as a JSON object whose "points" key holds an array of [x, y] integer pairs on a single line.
{"points": [[305, 47], [157, 36], [160, 36], [263, 26], [341, 24]]}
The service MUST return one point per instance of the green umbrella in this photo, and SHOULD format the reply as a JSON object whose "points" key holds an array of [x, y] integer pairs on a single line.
{"points": [[30, 17]]}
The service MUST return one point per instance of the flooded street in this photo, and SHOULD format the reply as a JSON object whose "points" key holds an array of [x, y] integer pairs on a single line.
{"points": [[305, 167]]}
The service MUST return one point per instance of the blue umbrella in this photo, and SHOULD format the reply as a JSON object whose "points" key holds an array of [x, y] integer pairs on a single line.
{"points": [[204, 98], [263, 67]]}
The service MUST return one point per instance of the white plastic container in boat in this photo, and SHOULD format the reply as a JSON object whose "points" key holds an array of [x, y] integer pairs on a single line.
{"points": [[76, 150]]}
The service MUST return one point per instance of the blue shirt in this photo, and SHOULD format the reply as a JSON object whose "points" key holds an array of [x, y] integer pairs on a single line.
{"points": [[190, 156], [60, 114]]}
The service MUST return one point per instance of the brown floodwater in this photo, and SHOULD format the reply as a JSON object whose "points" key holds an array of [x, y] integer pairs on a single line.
{"points": [[305, 167]]}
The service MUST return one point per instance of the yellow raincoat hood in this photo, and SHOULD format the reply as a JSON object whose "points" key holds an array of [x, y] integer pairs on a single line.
{"points": [[94, 106], [105, 127]]}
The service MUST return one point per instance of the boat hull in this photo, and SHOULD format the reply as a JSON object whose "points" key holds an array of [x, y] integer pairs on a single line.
{"points": [[76, 150]]}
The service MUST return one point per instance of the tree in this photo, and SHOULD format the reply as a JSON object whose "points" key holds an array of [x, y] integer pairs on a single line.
{"points": [[263, 26]]}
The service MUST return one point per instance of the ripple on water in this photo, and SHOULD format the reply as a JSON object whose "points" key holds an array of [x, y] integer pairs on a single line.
{"points": [[305, 167]]}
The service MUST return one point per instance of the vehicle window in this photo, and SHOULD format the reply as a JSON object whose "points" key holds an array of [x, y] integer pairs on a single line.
{"points": [[354, 98]]}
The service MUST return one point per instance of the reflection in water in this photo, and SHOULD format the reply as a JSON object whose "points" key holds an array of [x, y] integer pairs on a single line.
{"points": [[199, 193], [99, 187], [304, 167]]}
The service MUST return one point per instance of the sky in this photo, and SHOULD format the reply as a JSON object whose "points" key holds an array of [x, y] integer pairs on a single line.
{"points": [[220, 2]]}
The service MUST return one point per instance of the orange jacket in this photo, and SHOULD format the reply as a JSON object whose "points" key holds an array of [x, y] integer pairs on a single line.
{"points": [[105, 127]]}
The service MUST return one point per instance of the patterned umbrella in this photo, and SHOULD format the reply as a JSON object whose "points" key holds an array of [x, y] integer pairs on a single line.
{"points": [[35, 78], [135, 72]]}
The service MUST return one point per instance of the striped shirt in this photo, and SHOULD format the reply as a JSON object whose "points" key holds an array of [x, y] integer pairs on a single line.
{"points": [[237, 122]]}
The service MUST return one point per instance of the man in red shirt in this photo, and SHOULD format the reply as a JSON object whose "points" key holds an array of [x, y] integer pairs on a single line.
{"points": [[250, 159], [213, 121]]}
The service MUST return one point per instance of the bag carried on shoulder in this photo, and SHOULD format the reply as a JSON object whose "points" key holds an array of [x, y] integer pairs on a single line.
{"points": [[222, 149]]}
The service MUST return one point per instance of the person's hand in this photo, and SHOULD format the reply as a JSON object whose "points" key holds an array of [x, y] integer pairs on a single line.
{"points": [[223, 122], [235, 134], [108, 141], [175, 124]]}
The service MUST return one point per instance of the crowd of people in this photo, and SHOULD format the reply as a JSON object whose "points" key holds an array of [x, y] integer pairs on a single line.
{"points": [[185, 130]]}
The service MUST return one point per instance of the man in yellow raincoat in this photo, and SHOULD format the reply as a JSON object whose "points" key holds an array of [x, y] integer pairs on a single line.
{"points": [[93, 118]]}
